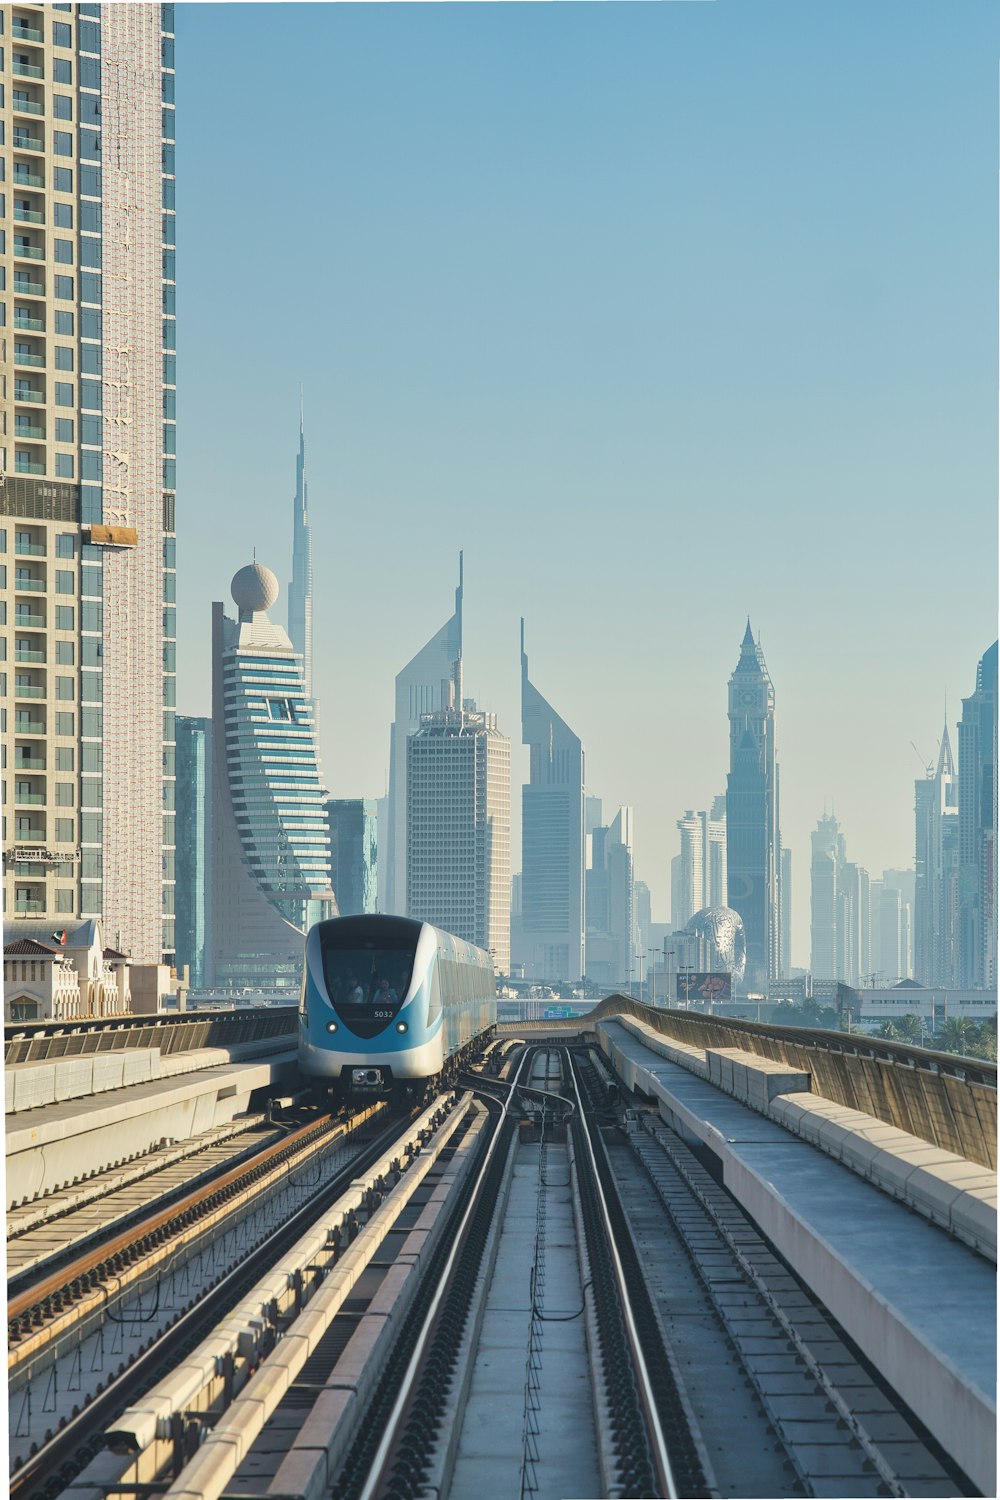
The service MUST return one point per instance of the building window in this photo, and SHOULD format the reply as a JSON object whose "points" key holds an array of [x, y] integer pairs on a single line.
{"points": [[64, 898], [65, 830], [64, 393], [62, 72], [62, 106], [62, 177], [65, 653], [64, 465], [62, 35], [65, 617], [65, 789], [64, 288], [64, 325], [64, 357], [65, 541], [62, 143], [65, 433], [65, 758], [65, 723], [66, 688], [64, 252]]}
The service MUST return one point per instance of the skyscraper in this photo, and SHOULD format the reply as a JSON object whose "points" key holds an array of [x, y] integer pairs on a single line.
{"points": [[610, 889], [354, 854], [828, 856], [418, 692], [753, 840], [552, 841], [270, 839], [194, 845], [87, 456], [935, 957], [458, 824], [300, 622], [977, 829], [701, 872], [785, 915]]}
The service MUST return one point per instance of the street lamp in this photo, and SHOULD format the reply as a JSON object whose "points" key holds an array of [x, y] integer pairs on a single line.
{"points": [[651, 971], [670, 952]]}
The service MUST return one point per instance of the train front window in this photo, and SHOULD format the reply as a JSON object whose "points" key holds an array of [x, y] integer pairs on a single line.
{"points": [[367, 981]]}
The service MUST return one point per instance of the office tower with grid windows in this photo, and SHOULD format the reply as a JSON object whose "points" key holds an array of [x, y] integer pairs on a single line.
{"points": [[270, 849], [87, 470], [977, 829], [458, 824]]}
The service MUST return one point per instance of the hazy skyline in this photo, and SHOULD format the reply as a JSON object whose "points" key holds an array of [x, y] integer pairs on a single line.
{"points": [[667, 314]]}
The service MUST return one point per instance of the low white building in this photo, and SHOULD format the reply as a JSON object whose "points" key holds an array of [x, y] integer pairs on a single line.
{"points": [[70, 976]]}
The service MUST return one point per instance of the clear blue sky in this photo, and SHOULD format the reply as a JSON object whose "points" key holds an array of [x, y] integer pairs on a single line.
{"points": [[665, 313]]}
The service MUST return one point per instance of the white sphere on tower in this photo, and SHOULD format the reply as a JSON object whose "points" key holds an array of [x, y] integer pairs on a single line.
{"points": [[254, 589]]}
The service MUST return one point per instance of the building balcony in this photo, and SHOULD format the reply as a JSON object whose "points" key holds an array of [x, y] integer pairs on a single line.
{"points": [[26, 655], [29, 585], [25, 393], [30, 727], [28, 549], [29, 763], [29, 799], [28, 252], [22, 32], [27, 908], [36, 361], [25, 619], [28, 288], [28, 216], [27, 466], [28, 323], [24, 178], [29, 432], [31, 691], [27, 106], [30, 836], [25, 70]]}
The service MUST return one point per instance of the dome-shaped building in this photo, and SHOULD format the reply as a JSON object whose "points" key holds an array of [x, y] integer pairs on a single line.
{"points": [[719, 931]]}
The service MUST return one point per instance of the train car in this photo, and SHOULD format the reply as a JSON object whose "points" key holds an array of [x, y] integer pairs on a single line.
{"points": [[390, 1005]]}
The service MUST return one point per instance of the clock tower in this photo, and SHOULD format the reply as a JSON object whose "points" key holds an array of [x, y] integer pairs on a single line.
{"points": [[753, 841]]}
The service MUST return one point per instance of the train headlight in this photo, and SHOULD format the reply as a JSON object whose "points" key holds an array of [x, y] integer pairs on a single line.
{"points": [[401, 1026], [331, 1025]]}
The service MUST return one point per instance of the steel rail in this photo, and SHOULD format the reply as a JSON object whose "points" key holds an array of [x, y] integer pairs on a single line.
{"points": [[54, 1466], [87, 1268], [390, 1433], [659, 1452]]}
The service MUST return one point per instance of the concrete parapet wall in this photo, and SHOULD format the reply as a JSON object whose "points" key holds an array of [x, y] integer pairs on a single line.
{"points": [[32, 1085], [67, 1142]]}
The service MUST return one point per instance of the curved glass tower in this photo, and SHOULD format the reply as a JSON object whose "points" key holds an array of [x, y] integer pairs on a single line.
{"points": [[271, 871]]}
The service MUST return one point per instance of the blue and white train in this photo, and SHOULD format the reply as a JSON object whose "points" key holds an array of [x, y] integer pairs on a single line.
{"points": [[388, 1005]]}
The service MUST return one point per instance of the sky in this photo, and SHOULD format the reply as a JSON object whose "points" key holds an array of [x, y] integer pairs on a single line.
{"points": [[666, 314]]}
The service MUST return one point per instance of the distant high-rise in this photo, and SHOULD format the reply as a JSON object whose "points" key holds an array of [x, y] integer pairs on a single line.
{"points": [[753, 840], [270, 842], [458, 824], [418, 692], [785, 915], [828, 856], [977, 829], [611, 928], [194, 845], [354, 854], [701, 873], [300, 590], [552, 841], [935, 956], [87, 454]]}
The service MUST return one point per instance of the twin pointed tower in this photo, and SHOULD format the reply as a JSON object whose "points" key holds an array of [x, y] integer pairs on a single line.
{"points": [[300, 622], [753, 838]]}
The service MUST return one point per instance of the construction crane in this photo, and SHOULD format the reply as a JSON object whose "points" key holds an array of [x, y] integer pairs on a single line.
{"points": [[928, 765]]}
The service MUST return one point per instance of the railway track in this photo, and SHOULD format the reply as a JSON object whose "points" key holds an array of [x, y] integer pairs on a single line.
{"points": [[68, 1447]]}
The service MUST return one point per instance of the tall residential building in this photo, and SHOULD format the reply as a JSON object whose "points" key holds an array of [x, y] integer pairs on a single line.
{"points": [[977, 829], [354, 854], [270, 839], [418, 692], [700, 878], [935, 956], [753, 839], [194, 845], [552, 841], [458, 824], [87, 471], [300, 590], [854, 963]]}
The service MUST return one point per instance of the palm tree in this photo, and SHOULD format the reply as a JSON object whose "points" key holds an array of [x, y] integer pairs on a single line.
{"points": [[888, 1031], [954, 1034], [911, 1029]]}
